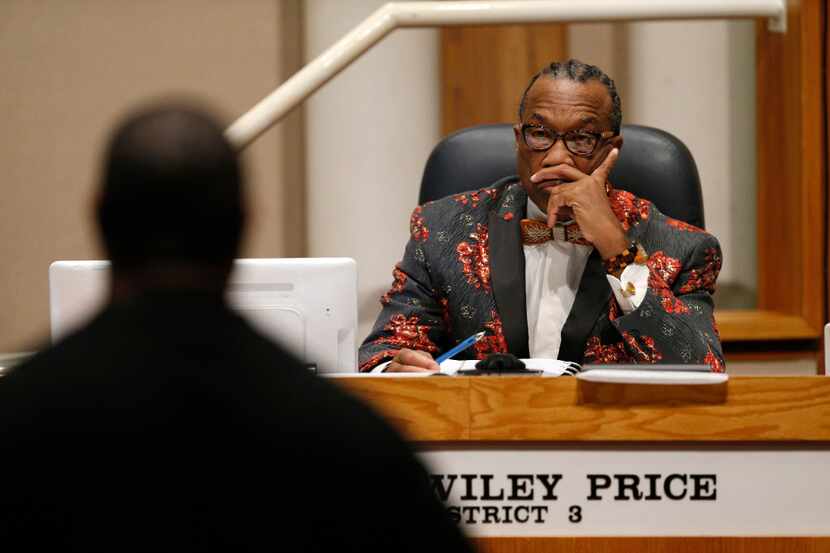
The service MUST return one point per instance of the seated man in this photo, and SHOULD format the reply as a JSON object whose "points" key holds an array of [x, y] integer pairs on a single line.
{"points": [[554, 263], [168, 423]]}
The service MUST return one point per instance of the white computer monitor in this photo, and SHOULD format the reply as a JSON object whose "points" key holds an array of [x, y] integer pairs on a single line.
{"points": [[308, 305]]}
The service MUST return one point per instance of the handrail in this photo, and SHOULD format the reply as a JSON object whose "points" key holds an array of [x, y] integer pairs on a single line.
{"points": [[434, 14]]}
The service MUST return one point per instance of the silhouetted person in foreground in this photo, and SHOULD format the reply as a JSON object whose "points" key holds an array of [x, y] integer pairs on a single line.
{"points": [[167, 423]]}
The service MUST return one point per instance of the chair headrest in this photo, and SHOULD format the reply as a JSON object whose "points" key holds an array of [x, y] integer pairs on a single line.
{"points": [[653, 164]]}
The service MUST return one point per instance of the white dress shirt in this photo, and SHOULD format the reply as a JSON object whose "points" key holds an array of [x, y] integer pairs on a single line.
{"points": [[553, 271]]}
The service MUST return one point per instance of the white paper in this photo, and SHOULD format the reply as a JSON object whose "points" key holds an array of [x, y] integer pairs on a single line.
{"points": [[650, 376]]}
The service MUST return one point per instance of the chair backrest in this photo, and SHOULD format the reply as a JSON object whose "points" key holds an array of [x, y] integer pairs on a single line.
{"points": [[653, 164]]}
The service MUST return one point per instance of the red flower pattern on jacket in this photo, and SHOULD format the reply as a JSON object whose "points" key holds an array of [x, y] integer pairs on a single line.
{"points": [[706, 276], [663, 266], [471, 198], [445, 314], [464, 199], [643, 350], [474, 198], [714, 363], [417, 229], [662, 272], [682, 225], [628, 208], [494, 343], [629, 350], [475, 258], [397, 285], [670, 303], [407, 333], [376, 359], [597, 352], [613, 310]]}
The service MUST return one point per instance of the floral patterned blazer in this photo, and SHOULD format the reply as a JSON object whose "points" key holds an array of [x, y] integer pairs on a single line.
{"points": [[463, 271]]}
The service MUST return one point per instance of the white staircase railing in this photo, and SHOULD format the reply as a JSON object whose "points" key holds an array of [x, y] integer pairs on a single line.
{"points": [[435, 14]]}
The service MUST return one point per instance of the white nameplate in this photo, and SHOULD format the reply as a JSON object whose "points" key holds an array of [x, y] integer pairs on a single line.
{"points": [[634, 491]]}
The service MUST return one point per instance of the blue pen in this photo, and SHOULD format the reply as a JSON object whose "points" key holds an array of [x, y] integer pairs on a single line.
{"points": [[461, 347]]}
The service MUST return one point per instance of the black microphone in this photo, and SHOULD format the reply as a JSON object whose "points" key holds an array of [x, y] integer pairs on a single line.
{"points": [[499, 364]]}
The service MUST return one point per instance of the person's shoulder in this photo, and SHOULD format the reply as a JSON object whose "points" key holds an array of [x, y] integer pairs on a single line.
{"points": [[675, 229], [461, 210], [338, 448], [482, 199], [48, 362], [300, 395], [322, 407], [634, 211]]}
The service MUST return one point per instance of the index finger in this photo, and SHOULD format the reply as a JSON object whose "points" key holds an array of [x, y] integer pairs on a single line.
{"points": [[607, 164], [395, 367], [416, 358]]}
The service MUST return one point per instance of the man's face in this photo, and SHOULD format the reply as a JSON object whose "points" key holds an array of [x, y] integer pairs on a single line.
{"points": [[562, 105]]}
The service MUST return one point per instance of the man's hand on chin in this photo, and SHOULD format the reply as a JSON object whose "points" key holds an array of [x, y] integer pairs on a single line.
{"points": [[587, 197], [412, 361]]}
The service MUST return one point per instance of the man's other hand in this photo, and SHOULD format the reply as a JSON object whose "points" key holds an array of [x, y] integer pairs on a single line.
{"points": [[412, 361]]}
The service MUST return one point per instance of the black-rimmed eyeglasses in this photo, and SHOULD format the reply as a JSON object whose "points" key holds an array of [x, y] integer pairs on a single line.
{"points": [[579, 143]]}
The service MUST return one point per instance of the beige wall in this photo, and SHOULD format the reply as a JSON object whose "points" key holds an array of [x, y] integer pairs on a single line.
{"points": [[695, 79], [370, 131], [70, 69]]}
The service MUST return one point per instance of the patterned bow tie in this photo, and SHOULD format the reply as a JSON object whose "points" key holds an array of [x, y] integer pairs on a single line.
{"points": [[537, 232]]}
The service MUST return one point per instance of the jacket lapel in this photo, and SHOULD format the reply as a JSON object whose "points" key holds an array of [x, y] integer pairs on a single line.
{"points": [[507, 268], [591, 299]]}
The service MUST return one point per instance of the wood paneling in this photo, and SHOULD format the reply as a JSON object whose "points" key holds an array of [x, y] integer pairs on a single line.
{"points": [[757, 324], [484, 69], [791, 183], [293, 210], [653, 545], [822, 368], [424, 409], [495, 409]]}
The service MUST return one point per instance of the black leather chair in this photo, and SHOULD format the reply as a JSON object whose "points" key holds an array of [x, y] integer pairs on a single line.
{"points": [[653, 164]]}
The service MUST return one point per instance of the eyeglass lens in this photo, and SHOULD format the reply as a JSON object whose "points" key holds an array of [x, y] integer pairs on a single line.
{"points": [[540, 138]]}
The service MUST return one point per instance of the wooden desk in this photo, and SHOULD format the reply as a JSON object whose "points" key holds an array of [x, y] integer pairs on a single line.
{"points": [[778, 412]]}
